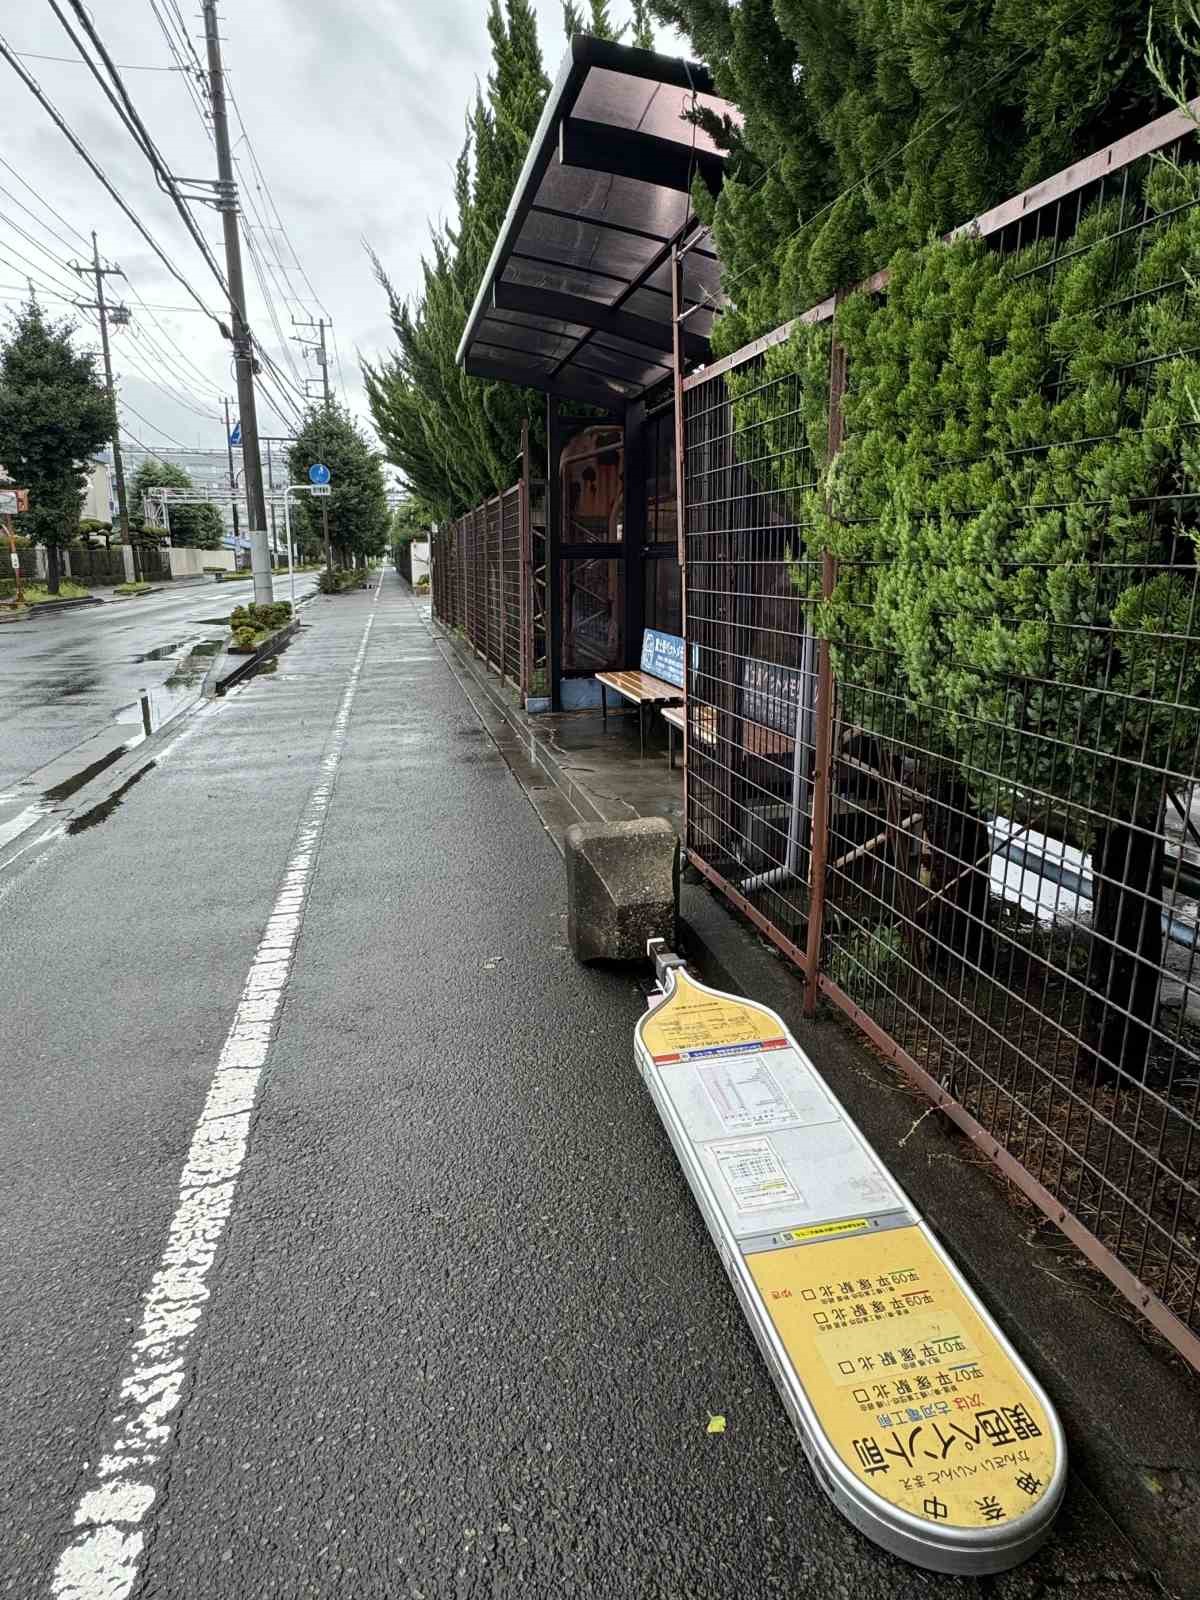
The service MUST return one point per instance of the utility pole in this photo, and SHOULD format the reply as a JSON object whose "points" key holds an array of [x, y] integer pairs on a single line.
{"points": [[243, 350], [232, 478], [99, 273], [323, 361]]}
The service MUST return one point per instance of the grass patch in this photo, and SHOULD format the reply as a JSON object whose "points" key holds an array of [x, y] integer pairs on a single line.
{"points": [[133, 588], [37, 594]]}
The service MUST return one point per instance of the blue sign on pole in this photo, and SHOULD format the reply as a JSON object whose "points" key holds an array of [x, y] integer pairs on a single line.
{"points": [[236, 436], [318, 473]]}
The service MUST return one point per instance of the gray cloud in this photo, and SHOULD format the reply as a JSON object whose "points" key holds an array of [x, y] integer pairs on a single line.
{"points": [[356, 115]]}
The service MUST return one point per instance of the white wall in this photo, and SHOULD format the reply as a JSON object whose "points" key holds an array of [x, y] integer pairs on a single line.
{"points": [[97, 498], [419, 549], [188, 563]]}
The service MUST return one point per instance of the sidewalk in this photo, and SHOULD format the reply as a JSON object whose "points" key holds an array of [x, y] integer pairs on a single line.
{"points": [[1128, 1404], [458, 1330]]}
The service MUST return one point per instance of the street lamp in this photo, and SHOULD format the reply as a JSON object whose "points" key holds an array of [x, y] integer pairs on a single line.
{"points": [[293, 488]]}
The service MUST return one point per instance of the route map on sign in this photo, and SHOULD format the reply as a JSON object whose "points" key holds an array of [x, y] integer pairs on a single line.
{"points": [[913, 1390], [745, 1094], [696, 1022]]}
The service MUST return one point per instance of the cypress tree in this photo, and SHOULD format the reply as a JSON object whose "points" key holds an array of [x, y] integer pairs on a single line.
{"points": [[869, 125], [455, 437]]}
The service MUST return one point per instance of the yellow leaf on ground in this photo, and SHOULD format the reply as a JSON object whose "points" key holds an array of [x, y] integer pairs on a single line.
{"points": [[716, 1424]]}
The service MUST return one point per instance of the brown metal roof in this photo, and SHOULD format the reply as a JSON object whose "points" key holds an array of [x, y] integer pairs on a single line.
{"points": [[576, 299]]}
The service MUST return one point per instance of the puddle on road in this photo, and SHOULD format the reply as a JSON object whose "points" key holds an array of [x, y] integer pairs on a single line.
{"points": [[163, 651], [69, 786], [178, 692], [100, 813]]}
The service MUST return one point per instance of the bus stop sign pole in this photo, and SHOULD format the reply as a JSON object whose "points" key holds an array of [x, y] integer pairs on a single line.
{"points": [[919, 1420]]}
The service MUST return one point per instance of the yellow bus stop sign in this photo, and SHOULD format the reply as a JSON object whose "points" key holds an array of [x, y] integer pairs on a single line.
{"points": [[920, 1420]]}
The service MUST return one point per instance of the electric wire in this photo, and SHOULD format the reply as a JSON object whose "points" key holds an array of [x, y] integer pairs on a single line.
{"points": [[76, 143], [73, 61], [125, 406], [133, 121]]}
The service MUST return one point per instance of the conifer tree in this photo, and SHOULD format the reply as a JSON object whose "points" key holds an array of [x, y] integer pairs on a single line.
{"points": [[868, 126]]}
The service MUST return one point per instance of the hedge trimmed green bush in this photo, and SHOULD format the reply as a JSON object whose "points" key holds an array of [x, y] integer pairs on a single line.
{"points": [[334, 580], [1014, 520]]}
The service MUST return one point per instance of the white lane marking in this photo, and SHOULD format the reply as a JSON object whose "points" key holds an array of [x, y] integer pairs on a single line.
{"points": [[101, 1561]]}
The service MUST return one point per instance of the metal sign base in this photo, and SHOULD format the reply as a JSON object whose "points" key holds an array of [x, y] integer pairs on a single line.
{"points": [[919, 1420]]}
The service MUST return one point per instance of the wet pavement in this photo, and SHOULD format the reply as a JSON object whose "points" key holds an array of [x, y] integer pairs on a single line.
{"points": [[442, 1318], [73, 682]]}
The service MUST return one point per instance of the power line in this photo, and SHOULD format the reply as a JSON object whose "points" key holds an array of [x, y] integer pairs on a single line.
{"points": [[37, 264], [60, 122], [127, 111], [32, 214], [133, 439], [57, 215], [125, 406], [35, 271], [194, 78], [185, 361], [269, 200], [177, 396], [72, 61]]}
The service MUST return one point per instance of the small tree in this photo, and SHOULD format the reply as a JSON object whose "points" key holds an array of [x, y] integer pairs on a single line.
{"points": [[54, 415], [199, 526], [357, 507]]}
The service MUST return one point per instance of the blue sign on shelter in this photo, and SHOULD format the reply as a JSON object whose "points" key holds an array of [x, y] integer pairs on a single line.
{"points": [[662, 656]]}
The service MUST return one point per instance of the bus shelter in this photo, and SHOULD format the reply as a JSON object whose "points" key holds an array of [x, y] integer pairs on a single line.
{"points": [[578, 302]]}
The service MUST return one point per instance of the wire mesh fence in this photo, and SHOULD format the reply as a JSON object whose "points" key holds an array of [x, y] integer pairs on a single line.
{"points": [[483, 582], [752, 682], [976, 480]]}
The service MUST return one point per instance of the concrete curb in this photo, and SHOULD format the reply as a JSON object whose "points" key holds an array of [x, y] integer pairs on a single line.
{"points": [[63, 605], [216, 681], [155, 588]]}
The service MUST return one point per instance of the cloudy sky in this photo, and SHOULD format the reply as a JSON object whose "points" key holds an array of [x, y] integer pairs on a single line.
{"points": [[354, 112]]}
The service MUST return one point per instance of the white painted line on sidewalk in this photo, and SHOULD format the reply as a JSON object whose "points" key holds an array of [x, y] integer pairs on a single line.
{"points": [[101, 1561]]}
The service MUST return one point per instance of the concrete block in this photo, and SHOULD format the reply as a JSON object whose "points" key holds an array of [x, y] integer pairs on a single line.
{"points": [[622, 887]]}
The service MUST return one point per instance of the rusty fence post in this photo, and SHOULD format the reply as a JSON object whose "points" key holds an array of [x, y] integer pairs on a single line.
{"points": [[823, 755], [525, 566], [681, 509]]}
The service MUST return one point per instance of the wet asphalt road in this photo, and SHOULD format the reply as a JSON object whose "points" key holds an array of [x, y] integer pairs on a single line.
{"points": [[464, 1331], [65, 676]]}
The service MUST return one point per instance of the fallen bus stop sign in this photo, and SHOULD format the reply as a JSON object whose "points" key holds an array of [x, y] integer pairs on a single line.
{"points": [[920, 1421]]}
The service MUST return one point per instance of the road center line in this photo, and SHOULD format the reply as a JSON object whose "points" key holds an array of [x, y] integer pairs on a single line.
{"points": [[101, 1561]]}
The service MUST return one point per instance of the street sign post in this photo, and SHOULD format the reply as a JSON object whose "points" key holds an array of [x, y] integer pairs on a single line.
{"points": [[320, 489], [12, 502], [919, 1419]]}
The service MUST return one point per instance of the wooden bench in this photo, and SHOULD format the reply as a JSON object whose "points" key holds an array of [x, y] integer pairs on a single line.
{"points": [[757, 739], [643, 688]]}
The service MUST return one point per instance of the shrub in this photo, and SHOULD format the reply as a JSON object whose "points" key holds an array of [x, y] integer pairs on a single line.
{"points": [[245, 639]]}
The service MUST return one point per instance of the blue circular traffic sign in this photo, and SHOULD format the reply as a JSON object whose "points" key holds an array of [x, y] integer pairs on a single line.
{"points": [[318, 473]]}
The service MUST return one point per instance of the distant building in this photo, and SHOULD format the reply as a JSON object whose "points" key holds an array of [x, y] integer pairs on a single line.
{"points": [[99, 499]]}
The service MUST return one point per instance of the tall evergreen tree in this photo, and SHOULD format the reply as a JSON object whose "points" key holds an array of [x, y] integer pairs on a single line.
{"points": [[54, 415], [869, 125], [199, 526], [455, 437], [357, 505]]}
